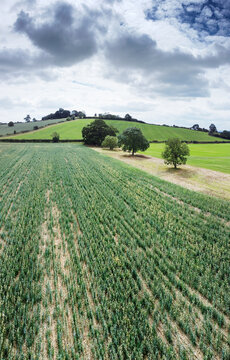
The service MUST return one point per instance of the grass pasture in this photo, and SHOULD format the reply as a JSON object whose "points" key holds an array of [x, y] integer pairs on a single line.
{"points": [[209, 156], [73, 130], [103, 261]]}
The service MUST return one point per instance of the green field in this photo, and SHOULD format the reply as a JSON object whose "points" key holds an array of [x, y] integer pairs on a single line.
{"points": [[19, 127], [100, 260], [209, 156], [72, 130]]}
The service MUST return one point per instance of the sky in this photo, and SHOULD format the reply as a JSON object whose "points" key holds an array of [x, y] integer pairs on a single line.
{"points": [[162, 61]]}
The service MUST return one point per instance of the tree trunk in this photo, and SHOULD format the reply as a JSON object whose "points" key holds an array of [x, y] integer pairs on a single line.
{"points": [[133, 153], [174, 165]]}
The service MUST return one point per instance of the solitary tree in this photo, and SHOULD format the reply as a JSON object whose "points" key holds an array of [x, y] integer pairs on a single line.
{"points": [[212, 129], [95, 132], [128, 117], [10, 123], [55, 137], [175, 152], [133, 140], [110, 142], [27, 118]]}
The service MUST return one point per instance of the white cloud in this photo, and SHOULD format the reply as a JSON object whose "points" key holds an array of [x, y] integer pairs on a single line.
{"points": [[107, 56]]}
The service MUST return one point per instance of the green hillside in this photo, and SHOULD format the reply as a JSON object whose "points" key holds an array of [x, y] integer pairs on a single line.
{"points": [[72, 130]]}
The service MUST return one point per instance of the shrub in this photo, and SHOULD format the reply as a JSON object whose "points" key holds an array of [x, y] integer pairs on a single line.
{"points": [[55, 137], [110, 142]]}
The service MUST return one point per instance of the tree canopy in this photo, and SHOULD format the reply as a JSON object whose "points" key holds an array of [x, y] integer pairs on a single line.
{"points": [[55, 137], [133, 140], [110, 142], [27, 118], [175, 152], [95, 132], [212, 129]]}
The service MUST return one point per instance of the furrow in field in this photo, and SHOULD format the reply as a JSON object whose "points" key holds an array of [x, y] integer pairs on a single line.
{"points": [[62, 259]]}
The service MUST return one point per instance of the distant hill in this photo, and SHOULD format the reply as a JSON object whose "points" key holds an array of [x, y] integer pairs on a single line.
{"points": [[70, 130]]}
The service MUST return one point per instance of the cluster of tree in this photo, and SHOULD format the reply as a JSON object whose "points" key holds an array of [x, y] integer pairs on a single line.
{"points": [[95, 132], [224, 134], [60, 114], [78, 114], [28, 119], [198, 128], [127, 117], [99, 133]]}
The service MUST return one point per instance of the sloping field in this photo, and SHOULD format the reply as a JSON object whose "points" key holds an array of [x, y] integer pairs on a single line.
{"points": [[7, 130], [72, 130], [102, 261], [209, 156]]}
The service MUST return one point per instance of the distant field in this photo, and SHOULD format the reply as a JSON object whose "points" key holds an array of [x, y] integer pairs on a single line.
{"points": [[72, 130], [7, 130], [210, 156]]}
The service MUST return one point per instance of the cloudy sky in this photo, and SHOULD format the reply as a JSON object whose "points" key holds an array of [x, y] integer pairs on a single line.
{"points": [[162, 61]]}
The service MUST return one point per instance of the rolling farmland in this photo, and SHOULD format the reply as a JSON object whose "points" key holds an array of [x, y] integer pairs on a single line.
{"points": [[72, 130], [103, 261]]}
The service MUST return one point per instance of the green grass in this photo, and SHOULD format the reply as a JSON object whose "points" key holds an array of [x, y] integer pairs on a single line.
{"points": [[209, 156], [6, 130], [72, 130]]}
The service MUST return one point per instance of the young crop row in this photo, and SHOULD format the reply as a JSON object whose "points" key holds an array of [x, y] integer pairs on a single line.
{"points": [[100, 261]]}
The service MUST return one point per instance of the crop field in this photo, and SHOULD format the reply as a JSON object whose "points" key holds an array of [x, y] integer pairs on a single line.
{"points": [[99, 260], [209, 156], [19, 127], [73, 130]]}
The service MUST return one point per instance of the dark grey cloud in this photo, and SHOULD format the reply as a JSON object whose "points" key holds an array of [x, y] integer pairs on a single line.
{"points": [[68, 37], [208, 17], [178, 73]]}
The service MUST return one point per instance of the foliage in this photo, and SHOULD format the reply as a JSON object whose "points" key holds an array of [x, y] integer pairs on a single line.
{"points": [[133, 140], [128, 117], [196, 127], [10, 124], [175, 152], [212, 129], [110, 142], [59, 114], [225, 134], [27, 118], [98, 259], [95, 132], [55, 137]]}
